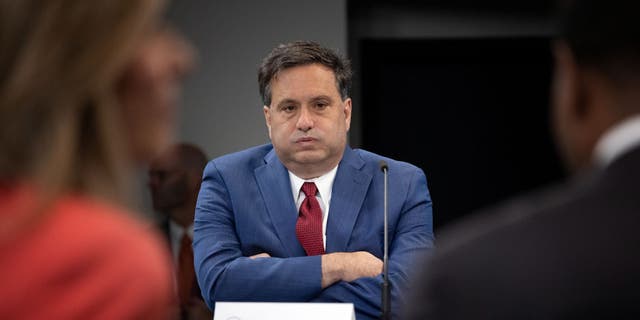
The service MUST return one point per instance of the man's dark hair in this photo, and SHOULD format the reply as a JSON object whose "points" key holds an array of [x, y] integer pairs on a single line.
{"points": [[300, 53], [603, 34]]}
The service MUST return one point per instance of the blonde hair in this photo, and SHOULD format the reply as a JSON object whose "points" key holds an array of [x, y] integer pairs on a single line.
{"points": [[60, 63]]}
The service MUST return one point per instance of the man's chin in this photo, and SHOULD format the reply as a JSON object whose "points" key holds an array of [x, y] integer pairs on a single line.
{"points": [[309, 155], [309, 158]]}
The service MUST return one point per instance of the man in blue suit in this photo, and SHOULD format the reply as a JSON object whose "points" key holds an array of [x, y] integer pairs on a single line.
{"points": [[301, 219]]}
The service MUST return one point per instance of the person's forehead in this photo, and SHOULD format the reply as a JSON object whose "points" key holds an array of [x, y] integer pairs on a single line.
{"points": [[305, 77]]}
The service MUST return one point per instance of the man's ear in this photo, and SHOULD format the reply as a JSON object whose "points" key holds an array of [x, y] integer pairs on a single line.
{"points": [[347, 112], [194, 180], [578, 107], [573, 84], [267, 118], [566, 79]]}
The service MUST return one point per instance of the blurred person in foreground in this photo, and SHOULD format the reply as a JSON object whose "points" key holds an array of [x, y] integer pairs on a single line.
{"points": [[87, 92], [301, 219], [174, 181], [568, 252]]}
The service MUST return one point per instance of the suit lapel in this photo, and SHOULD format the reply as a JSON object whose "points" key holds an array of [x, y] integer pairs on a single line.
{"points": [[349, 190], [274, 184]]}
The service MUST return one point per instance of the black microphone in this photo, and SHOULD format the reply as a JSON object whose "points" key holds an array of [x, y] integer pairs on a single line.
{"points": [[386, 292]]}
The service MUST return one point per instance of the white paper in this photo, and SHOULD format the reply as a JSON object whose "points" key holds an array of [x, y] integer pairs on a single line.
{"points": [[283, 311]]}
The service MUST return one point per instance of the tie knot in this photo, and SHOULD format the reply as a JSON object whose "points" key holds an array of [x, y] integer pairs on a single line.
{"points": [[309, 189]]}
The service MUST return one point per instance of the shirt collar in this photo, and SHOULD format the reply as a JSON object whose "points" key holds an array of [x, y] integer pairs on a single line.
{"points": [[619, 139], [177, 231], [324, 183]]}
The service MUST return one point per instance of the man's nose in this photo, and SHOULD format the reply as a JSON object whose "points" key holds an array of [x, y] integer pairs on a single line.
{"points": [[305, 120]]}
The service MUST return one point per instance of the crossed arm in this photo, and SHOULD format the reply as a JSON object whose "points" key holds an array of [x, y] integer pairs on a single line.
{"points": [[344, 266]]}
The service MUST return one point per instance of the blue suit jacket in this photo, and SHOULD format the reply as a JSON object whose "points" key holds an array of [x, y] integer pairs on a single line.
{"points": [[246, 207]]}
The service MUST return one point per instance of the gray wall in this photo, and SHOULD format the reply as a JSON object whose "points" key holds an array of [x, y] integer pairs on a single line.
{"points": [[222, 111]]}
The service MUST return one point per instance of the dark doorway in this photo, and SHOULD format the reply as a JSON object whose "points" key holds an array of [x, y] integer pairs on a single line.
{"points": [[472, 113]]}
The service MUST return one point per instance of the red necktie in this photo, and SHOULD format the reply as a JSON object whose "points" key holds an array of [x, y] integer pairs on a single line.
{"points": [[186, 273], [309, 224]]}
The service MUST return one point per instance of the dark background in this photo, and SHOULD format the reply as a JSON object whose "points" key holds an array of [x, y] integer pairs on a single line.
{"points": [[472, 111]]}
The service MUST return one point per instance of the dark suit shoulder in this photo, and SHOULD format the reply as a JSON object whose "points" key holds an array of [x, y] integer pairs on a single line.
{"points": [[501, 217], [547, 253], [588, 202]]}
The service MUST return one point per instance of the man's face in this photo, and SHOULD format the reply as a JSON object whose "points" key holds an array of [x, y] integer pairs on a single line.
{"points": [[168, 183], [307, 120]]}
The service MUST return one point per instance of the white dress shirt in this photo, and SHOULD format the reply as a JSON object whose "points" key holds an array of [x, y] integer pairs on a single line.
{"points": [[324, 183], [619, 139]]}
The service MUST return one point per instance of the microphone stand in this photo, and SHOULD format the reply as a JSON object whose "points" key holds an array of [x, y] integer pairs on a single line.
{"points": [[386, 289]]}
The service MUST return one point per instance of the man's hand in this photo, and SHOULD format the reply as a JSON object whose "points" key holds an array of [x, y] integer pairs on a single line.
{"points": [[260, 255], [348, 266]]}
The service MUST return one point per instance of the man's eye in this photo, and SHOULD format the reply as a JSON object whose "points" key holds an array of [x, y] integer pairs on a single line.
{"points": [[288, 108], [321, 105]]}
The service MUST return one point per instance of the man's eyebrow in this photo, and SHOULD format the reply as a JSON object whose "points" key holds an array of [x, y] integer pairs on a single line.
{"points": [[321, 97], [286, 101]]}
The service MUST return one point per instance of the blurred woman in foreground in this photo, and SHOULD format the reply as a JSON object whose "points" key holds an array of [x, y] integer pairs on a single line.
{"points": [[87, 91]]}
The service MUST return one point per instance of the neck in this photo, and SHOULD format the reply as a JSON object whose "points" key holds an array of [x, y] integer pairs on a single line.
{"points": [[306, 170], [183, 215]]}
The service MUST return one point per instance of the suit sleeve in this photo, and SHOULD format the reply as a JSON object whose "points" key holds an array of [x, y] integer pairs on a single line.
{"points": [[224, 274], [413, 238]]}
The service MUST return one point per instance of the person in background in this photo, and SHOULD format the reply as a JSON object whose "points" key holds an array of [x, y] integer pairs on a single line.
{"points": [[567, 252], [301, 218], [174, 181], [88, 91]]}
